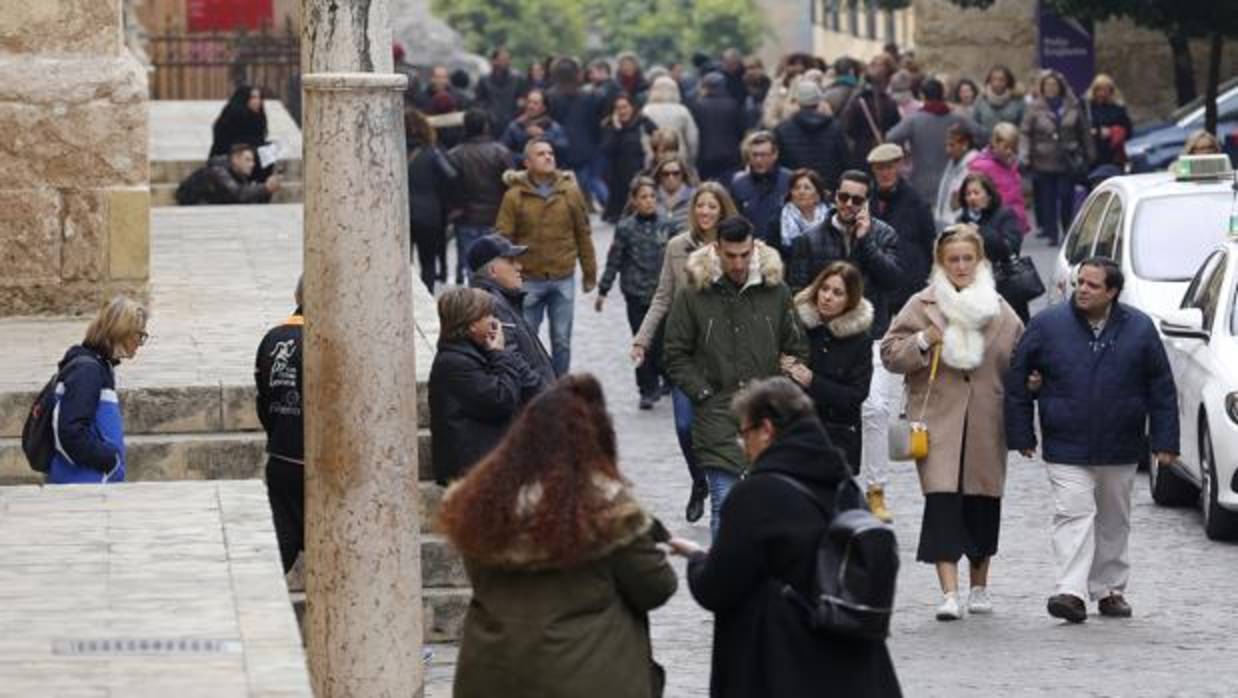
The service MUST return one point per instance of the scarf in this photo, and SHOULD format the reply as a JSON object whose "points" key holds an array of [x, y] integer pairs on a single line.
{"points": [[936, 107], [794, 224], [995, 100], [967, 312]]}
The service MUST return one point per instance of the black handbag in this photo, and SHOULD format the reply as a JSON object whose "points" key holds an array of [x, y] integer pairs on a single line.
{"points": [[1017, 279]]}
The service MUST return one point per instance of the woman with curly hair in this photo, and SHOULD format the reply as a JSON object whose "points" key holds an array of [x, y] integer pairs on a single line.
{"points": [[561, 558]]}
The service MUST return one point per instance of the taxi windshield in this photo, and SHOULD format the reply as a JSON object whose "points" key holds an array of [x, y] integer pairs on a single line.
{"points": [[1172, 235]]}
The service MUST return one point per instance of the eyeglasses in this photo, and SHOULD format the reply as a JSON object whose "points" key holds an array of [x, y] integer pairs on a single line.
{"points": [[845, 198], [671, 173]]}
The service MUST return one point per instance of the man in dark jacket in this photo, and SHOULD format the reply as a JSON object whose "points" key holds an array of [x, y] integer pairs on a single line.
{"points": [[721, 125], [812, 139], [768, 539], [580, 114], [500, 92], [732, 323], [898, 204], [1106, 397], [227, 179], [496, 270], [851, 235], [279, 379], [761, 190], [480, 163], [871, 111]]}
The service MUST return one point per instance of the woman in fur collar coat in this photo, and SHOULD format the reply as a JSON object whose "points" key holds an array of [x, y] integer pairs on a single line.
{"points": [[961, 317], [837, 319], [561, 557]]}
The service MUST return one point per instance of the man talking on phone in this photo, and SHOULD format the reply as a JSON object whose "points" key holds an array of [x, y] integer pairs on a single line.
{"points": [[851, 234]]}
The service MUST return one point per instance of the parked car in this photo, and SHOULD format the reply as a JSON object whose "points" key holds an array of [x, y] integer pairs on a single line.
{"points": [[1159, 227], [1201, 339], [1154, 148]]}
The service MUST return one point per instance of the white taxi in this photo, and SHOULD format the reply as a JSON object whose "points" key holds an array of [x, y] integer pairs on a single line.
{"points": [[1201, 339], [1158, 227]]}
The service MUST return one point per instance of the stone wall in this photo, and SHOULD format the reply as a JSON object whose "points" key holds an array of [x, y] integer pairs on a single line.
{"points": [[74, 177], [955, 42]]}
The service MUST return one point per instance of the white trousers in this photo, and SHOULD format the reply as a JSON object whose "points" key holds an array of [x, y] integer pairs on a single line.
{"points": [[1091, 527], [885, 398]]}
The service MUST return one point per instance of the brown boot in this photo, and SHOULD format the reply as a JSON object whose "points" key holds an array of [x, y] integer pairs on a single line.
{"points": [[877, 503]]}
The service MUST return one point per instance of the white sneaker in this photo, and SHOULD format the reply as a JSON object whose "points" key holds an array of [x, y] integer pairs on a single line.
{"points": [[978, 600], [949, 608]]}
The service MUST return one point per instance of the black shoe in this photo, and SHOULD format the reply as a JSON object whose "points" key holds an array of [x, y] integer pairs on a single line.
{"points": [[1114, 606], [646, 402], [1068, 608], [696, 502]]}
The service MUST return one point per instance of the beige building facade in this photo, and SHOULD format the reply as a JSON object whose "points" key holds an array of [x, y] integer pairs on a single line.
{"points": [[74, 177]]}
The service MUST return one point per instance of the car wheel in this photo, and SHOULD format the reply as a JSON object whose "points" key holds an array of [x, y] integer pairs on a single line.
{"points": [[1169, 489], [1219, 523]]}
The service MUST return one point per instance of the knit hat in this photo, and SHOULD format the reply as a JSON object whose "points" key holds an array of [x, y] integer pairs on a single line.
{"points": [[886, 152], [807, 93]]}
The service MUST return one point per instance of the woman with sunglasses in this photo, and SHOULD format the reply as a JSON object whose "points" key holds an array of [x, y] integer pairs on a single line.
{"points": [[89, 434], [676, 185]]}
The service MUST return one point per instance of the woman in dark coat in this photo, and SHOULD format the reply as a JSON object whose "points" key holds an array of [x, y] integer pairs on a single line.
{"points": [[998, 225], [837, 318], [477, 385], [430, 175], [625, 142], [243, 120], [561, 558], [1110, 123], [763, 645]]}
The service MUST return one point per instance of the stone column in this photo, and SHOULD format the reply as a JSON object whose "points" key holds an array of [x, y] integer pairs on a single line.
{"points": [[74, 178], [363, 584]]}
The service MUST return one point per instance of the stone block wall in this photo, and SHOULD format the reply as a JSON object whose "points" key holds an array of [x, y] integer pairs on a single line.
{"points": [[955, 42], [74, 175]]}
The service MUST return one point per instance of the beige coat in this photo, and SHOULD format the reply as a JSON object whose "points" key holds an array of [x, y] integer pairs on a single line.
{"points": [[974, 398], [674, 276]]}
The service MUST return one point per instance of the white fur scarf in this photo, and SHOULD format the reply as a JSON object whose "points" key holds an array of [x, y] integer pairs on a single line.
{"points": [[967, 312]]}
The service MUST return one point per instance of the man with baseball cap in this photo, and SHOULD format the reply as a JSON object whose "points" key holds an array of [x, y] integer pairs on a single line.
{"points": [[811, 138], [495, 268]]}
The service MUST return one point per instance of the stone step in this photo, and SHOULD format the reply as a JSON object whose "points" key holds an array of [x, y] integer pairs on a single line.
{"points": [[443, 609], [181, 410], [290, 192], [177, 171], [204, 456]]}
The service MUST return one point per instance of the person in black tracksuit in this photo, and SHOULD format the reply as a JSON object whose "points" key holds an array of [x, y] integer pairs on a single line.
{"points": [[279, 379]]}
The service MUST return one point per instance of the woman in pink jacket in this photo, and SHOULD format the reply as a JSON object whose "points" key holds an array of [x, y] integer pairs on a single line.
{"points": [[1000, 161]]}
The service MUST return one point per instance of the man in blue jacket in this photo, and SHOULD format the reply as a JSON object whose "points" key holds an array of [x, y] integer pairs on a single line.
{"points": [[1106, 396]]}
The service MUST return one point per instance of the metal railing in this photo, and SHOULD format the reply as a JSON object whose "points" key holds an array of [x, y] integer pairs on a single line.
{"points": [[209, 66]]}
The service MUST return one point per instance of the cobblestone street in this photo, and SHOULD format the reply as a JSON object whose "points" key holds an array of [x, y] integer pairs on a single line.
{"points": [[1178, 643]]}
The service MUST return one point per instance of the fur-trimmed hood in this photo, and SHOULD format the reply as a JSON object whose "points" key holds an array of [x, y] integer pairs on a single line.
{"points": [[520, 178], [618, 524], [858, 319], [704, 268]]}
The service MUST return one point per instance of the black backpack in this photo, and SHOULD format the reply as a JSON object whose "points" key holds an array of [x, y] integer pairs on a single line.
{"points": [[193, 190], [855, 571], [38, 441]]}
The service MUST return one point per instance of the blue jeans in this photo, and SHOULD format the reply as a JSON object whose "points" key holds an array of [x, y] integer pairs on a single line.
{"points": [[466, 235], [682, 406], [555, 298], [720, 484], [1054, 201]]}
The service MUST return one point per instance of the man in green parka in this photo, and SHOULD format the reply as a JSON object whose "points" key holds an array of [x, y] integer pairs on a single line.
{"points": [[731, 325]]}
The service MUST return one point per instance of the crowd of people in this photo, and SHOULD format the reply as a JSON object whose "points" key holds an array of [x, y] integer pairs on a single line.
{"points": [[809, 263]]}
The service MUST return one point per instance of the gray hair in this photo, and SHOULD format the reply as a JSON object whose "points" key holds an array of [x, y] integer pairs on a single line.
{"points": [[777, 399]]}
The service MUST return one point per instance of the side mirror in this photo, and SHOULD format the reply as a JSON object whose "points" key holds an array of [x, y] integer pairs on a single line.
{"points": [[1184, 323]]}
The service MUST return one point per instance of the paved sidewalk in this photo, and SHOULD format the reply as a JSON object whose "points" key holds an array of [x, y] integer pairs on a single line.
{"points": [[95, 601]]}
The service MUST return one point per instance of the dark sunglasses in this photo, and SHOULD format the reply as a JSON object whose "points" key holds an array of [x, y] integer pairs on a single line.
{"points": [[845, 198]]}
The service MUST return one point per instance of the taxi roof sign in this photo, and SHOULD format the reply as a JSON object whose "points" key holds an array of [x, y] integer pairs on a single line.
{"points": [[1189, 168]]}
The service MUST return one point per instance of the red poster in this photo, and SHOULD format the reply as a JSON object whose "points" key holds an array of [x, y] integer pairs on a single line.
{"points": [[229, 15]]}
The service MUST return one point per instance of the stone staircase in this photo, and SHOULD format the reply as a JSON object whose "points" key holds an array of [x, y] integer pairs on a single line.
{"points": [[212, 433]]}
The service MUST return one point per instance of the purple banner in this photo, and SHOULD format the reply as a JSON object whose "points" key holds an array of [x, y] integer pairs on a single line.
{"points": [[1065, 45]]}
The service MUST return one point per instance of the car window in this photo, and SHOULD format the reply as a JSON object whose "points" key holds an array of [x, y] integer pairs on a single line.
{"points": [[1233, 313], [1110, 229], [1210, 297], [1171, 235], [1079, 246], [1193, 298]]}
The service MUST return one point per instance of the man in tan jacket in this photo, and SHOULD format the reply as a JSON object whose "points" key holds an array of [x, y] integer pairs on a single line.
{"points": [[544, 210]]}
